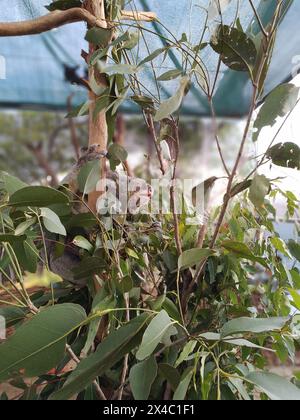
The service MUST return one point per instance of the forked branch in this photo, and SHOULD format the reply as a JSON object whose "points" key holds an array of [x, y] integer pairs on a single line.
{"points": [[59, 18]]}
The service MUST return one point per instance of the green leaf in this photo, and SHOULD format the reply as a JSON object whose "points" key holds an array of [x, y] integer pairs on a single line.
{"points": [[101, 302], [243, 251], [79, 111], [152, 56], [240, 342], [10, 183], [37, 197], [156, 333], [171, 309], [296, 298], [11, 239], [125, 285], [141, 378], [63, 5], [93, 177], [170, 75], [22, 227], [109, 352], [85, 220], [83, 243], [120, 69], [253, 325], [279, 103], [277, 388], [88, 177], [131, 253], [102, 103], [172, 104], [184, 384], [131, 40], [12, 314], [52, 222], [240, 187], [260, 187], [187, 350], [294, 249], [193, 257], [286, 155], [238, 384], [27, 255], [145, 102], [280, 245], [99, 36], [117, 152], [39, 344], [236, 49], [171, 374]]}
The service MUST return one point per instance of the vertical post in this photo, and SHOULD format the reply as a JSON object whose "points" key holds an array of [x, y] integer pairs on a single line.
{"points": [[98, 132]]}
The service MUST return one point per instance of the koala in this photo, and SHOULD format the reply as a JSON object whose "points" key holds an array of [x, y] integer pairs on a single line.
{"points": [[63, 265]]}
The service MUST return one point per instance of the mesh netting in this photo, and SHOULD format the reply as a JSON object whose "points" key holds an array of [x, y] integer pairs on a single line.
{"points": [[36, 65]]}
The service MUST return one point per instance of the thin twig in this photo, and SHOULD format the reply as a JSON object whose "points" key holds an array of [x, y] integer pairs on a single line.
{"points": [[150, 123], [98, 389], [172, 192], [259, 19], [215, 128]]}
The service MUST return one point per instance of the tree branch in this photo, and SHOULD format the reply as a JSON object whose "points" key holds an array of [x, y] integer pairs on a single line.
{"points": [[48, 22], [59, 18], [140, 16]]}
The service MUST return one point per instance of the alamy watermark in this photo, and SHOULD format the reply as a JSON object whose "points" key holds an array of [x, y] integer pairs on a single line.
{"points": [[2, 328], [296, 65], [163, 196]]}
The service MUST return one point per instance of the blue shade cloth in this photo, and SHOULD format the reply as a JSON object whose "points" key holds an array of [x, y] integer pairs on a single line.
{"points": [[35, 65]]}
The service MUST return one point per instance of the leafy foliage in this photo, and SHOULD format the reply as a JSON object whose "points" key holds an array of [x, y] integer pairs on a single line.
{"points": [[139, 307]]}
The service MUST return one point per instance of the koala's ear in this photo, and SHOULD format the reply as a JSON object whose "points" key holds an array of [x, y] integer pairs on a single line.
{"points": [[83, 150]]}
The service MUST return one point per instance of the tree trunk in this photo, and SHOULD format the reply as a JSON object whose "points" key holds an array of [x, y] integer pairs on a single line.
{"points": [[98, 133]]}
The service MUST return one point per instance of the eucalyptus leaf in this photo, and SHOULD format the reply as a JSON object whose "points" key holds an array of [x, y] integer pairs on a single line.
{"points": [[37, 197], [236, 49], [170, 373], [294, 248], [286, 155], [279, 103], [172, 104], [63, 5], [83, 243], [276, 387], [260, 187], [152, 56], [184, 384], [193, 257], [117, 344], [11, 239], [24, 226], [170, 75], [10, 183], [141, 378], [39, 344], [243, 251], [52, 222], [99, 36], [156, 333], [253, 325]]}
